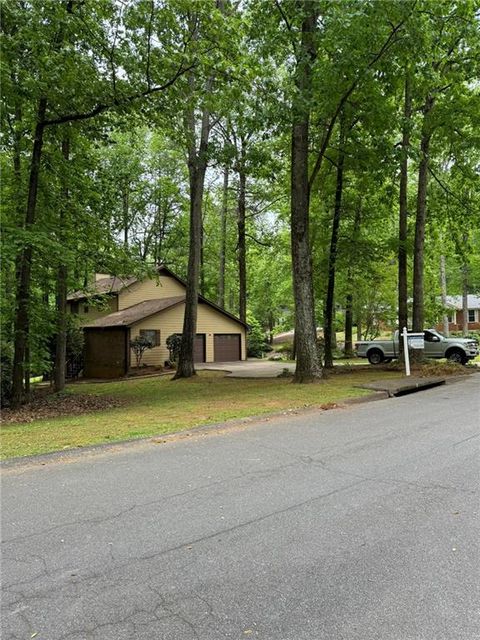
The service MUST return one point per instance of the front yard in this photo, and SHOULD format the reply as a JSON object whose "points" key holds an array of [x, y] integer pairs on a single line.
{"points": [[156, 406]]}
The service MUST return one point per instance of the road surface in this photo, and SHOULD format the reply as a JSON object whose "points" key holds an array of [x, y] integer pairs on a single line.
{"points": [[355, 523]]}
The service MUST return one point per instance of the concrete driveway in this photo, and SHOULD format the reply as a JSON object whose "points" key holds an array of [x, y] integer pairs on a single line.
{"points": [[252, 368]]}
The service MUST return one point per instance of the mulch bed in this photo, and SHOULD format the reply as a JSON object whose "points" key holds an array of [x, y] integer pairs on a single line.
{"points": [[46, 404]]}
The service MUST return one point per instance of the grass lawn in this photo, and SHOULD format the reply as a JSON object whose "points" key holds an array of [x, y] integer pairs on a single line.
{"points": [[159, 406]]}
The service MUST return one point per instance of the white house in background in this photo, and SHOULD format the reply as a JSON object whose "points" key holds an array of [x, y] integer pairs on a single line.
{"points": [[455, 317]]}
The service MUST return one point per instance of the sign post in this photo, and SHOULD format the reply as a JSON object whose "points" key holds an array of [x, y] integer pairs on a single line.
{"points": [[406, 355], [411, 341]]}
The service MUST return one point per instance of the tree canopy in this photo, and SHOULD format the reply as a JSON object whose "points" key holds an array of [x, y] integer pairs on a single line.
{"points": [[303, 163]]}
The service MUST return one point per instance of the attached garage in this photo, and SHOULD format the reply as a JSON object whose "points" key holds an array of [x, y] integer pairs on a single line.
{"points": [[227, 347], [221, 337], [199, 351]]}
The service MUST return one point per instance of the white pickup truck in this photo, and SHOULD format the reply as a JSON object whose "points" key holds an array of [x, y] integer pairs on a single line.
{"points": [[459, 350]]}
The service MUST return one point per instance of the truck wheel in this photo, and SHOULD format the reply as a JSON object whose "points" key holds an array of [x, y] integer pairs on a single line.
{"points": [[375, 356], [457, 355]]}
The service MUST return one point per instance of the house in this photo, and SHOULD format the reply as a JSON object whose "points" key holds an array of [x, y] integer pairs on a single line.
{"points": [[455, 313], [153, 307]]}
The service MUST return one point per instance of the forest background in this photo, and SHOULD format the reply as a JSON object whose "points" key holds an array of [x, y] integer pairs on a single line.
{"points": [[301, 163]]}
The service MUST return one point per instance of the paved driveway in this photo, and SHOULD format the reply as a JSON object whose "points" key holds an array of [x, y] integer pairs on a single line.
{"points": [[252, 368], [353, 524]]}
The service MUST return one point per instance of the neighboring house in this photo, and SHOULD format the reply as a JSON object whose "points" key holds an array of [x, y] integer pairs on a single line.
{"points": [[155, 308], [455, 313]]}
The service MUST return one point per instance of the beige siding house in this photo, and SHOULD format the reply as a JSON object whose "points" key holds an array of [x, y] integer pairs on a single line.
{"points": [[113, 311]]}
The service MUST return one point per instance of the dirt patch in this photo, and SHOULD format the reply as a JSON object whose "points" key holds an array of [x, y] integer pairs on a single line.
{"points": [[145, 371], [46, 404]]}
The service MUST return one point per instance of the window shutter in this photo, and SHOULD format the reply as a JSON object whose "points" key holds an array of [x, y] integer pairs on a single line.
{"points": [[157, 337]]}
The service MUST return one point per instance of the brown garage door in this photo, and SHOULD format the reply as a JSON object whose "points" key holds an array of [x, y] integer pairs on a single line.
{"points": [[226, 347], [199, 348]]}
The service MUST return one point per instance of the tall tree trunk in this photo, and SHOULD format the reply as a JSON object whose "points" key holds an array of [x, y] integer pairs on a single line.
{"points": [[465, 290], [443, 285], [125, 212], [223, 239], [308, 367], [403, 211], [242, 246], [202, 259], [197, 166], [22, 313], [348, 348], [62, 286], [332, 258], [420, 223], [359, 327]]}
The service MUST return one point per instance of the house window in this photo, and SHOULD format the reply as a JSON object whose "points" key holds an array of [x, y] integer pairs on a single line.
{"points": [[471, 315], [85, 308], [151, 334], [74, 307]]}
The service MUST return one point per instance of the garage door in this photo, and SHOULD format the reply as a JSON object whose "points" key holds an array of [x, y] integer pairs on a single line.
{"points": [[199, 348], [226, 347]]}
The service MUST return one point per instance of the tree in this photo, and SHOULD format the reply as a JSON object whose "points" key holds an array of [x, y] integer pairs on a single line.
{"points": [[308, 366], [74, 88]]}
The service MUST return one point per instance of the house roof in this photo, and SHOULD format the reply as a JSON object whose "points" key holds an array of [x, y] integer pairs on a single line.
{"points": [[129, 316], [456, 302], [102, 286], [135, 313], [113, 284]]}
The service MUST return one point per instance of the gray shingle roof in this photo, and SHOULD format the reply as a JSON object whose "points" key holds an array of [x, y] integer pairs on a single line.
{"points": [[112, 284], [130, 315], [456, 302]]}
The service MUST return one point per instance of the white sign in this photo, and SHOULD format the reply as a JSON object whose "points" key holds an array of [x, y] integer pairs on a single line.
{"points": [[415, 342]]}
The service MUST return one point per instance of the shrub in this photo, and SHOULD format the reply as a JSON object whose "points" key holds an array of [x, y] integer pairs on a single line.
{"points": [[174, 342], [139, 345]]}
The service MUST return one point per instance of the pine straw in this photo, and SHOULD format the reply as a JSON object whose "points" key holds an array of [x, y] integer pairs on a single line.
{"points": [[432, 368]]}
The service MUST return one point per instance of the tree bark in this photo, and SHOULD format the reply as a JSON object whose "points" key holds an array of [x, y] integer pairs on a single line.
{"points": [[420, 223], [22, 313], [125, 212], [348, 348], [223, 239], [62, 287], [308, 365], [403, 211], [443, 285], [197, 166], [332, 258], [465, 291], [242, 247]]}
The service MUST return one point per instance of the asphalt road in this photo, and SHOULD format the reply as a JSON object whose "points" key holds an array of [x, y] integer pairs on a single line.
{"points": [[356, 523]]}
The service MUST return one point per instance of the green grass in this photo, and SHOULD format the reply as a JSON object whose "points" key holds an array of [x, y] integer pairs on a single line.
{"points": [[159, 406]]}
